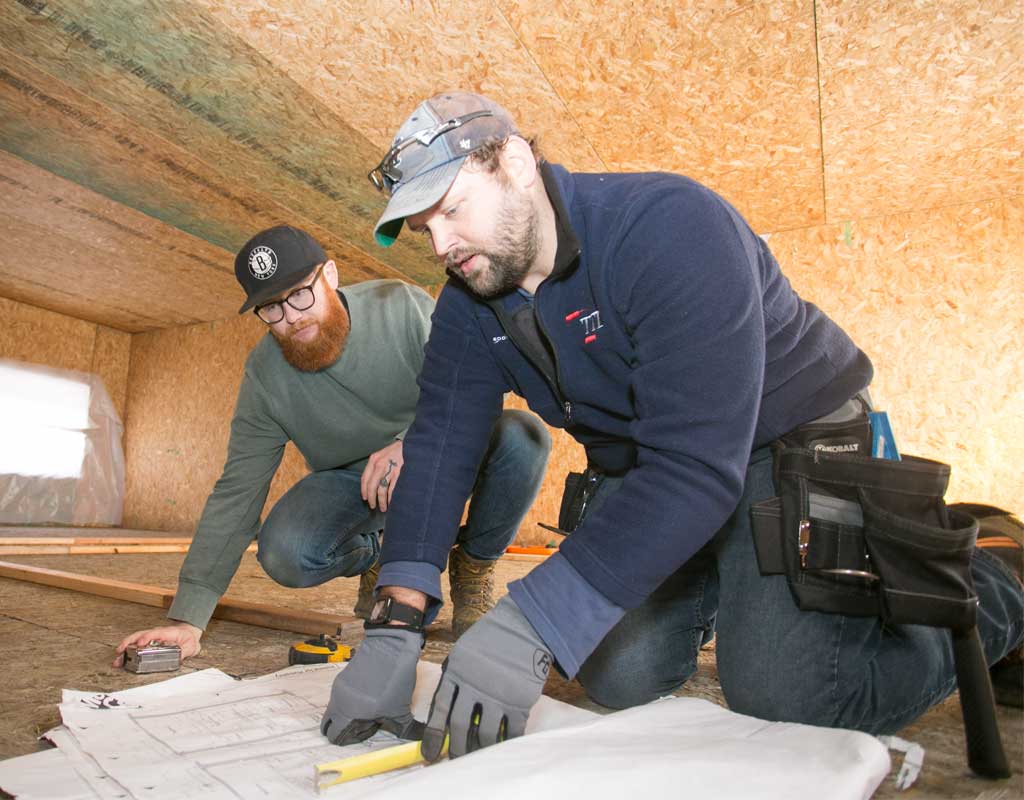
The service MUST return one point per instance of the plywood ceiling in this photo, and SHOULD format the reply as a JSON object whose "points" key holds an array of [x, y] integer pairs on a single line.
{"points": [[144, 141]]}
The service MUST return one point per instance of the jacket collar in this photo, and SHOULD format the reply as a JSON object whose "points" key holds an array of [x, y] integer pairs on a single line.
{"points": [[567, 251]]}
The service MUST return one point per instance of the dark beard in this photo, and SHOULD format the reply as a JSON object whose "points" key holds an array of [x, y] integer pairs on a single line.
{"points": [[326, 348], [512, 256]]}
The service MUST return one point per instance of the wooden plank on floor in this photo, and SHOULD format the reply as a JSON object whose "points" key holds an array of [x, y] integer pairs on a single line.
{"points": [[104, 587], [76, 548], [259, 614], [80, 532], [21, 541], [113, 545]]}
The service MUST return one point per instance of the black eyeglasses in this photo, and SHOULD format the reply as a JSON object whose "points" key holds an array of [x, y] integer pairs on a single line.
{"points": [[300, 299], [387, 174]]}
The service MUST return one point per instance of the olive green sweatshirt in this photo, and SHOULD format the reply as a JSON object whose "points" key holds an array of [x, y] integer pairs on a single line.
{"points": [[337, 417]]}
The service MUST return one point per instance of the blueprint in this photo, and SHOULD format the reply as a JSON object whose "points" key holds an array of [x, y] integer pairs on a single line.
{"points": [[205, 735]]}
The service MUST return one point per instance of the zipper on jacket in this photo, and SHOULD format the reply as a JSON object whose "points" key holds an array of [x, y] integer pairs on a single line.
{"points": [[556, 383], [512, 331]]}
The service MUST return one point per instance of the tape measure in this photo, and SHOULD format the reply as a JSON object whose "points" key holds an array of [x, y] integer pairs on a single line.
{"points": [[323, 649]]}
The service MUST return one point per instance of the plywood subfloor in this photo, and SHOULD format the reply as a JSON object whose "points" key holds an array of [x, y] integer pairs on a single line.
{"points": [[53, 639]]}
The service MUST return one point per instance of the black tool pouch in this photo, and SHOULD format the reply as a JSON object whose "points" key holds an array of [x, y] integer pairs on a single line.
{"points": [[867, 536]]}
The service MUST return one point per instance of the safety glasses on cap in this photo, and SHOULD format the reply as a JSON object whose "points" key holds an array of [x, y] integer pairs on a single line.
{"points": [[386, 175]]}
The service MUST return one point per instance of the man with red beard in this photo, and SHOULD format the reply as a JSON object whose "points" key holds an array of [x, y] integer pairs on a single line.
{"points": [[336, 376]]}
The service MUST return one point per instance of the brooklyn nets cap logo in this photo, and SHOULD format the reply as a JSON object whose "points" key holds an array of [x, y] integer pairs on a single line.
{"points": [[262, 262]]}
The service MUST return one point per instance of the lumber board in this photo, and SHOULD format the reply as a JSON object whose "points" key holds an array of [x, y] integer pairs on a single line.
{"points": [[113, 545], [72, 549], [259, 614], [104, 587], [69, 540], [86, 549]]}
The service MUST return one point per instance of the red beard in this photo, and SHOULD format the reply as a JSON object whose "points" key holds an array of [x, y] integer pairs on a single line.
{"points": [[326, 348]]}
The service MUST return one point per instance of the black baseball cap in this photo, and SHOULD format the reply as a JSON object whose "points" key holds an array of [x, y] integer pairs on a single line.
{"points": [[273, 261]]}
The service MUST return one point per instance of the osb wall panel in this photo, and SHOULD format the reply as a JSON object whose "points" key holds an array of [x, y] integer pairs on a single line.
{"points": [[110, 360], [79, 252], [38, 336], [726, 93], [921, 103], [182, 390], [723, 92], [185, 83], [108, 275], [44, 337], [936, 299], [65, 133], [373, 62]]}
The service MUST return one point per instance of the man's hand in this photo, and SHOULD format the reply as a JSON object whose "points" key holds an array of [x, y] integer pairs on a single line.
{"points": [[381, 475], [180, 633], [375, 689], [491, 679]]}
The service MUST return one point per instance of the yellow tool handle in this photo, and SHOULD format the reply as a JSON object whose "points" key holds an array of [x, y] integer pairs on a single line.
{"points": [[373, 763]]}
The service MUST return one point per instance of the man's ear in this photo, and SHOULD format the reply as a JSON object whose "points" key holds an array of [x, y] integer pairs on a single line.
{"points": [[519, 163], [331, 274]]}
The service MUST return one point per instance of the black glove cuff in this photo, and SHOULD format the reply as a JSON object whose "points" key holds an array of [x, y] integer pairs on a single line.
{"points": [[387, 609]]}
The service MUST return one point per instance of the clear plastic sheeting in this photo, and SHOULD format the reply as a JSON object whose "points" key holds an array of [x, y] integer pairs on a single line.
{"points": [[61, 459]]}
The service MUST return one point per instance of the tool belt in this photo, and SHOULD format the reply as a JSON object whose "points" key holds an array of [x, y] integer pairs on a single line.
{"points": [[868, 537], [873, 537]]}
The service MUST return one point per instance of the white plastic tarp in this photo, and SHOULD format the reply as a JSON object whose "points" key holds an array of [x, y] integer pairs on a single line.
{"points": [[61, 458]]}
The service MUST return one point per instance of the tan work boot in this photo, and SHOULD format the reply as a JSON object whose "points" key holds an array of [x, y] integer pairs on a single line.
{"points": [[472, 583], [365, 600]]}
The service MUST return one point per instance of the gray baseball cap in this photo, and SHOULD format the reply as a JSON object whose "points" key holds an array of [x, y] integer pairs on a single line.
{"points": [[427, 153]]}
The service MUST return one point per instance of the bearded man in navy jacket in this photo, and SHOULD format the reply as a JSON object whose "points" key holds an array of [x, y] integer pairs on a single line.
{"points": [[642, 314]]}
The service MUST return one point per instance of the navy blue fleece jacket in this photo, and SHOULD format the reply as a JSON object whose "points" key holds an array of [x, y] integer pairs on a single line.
{"points": [[678, 347]]}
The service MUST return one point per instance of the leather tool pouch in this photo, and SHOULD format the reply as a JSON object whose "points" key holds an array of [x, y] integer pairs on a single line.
{"points": [[579, 489], [866, 536]]}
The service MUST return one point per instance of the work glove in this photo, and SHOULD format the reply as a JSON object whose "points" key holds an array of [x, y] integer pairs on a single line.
{"points": [[489, 682], [375, 690]]}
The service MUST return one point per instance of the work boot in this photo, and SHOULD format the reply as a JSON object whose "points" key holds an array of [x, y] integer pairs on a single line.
{"points": [[472, 589], [367, 582], [1002, 535]]}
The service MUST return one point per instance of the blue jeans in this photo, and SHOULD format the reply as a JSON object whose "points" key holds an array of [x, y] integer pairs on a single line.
{"points": [[322, 528], [777, 662]]}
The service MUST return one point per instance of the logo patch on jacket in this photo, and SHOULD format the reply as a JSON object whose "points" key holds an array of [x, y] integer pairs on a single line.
{"points": [[590, 322]]}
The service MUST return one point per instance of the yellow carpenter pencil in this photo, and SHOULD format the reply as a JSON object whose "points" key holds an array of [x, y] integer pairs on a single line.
{"points": [[374, 763]]}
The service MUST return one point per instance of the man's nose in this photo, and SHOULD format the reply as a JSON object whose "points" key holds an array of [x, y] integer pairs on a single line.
{"points": [[291, 315], [442, 240]]}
